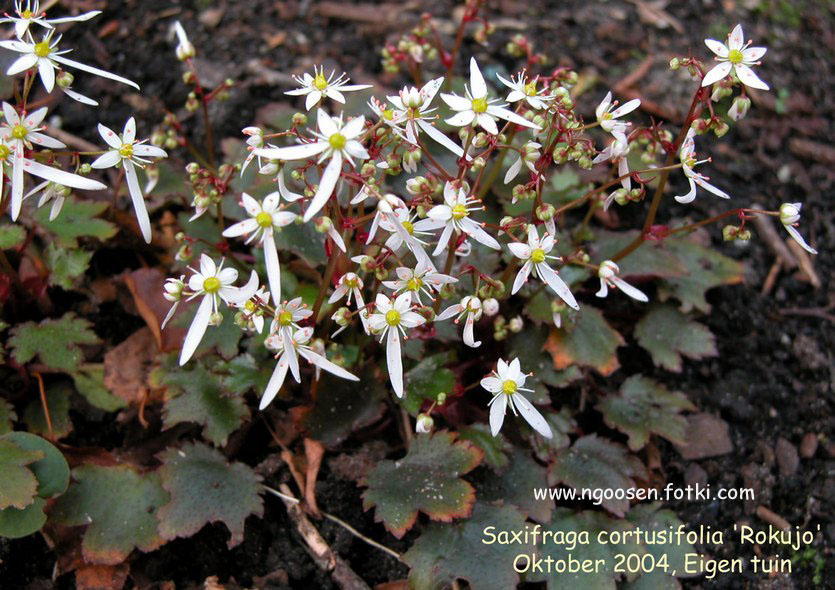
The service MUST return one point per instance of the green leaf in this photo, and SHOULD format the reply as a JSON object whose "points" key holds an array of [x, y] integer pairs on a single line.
{"points": [[654, 259], [303, 241], [446, 552], [7, 416], [11, 236], [119, 504], [204, 488], [707, 268], [51, 471], [244, 373], [78, 219], [668, 334], [58, 402], [16, 523], [90, 384], [516, 484], [197, 397], [585, 528], [18, 484], [645, 407], [589, 342], [493, 447], [426, 479], [54, 341], [597, 463], [341, 407], [66, 266], [651, 517], [426, 380], [224, 337]]}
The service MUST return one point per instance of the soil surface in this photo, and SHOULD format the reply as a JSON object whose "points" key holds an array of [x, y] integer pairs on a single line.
{"points": [[772, 383]]}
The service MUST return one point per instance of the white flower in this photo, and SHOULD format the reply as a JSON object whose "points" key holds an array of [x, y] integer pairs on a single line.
{"points": [[687, 155], [128, 152], [414, 108], [52, 191], [607, 273], [214, 283], [414, 227], [423, 278], [287, 318], [185, 49], [617, 151], [528, 155], [521, 89], [424, 424], [454, 214], [535, 255], [264, 219], [789, 216], [737, 56], [490, 307], [252, 310], [317, 86], [505, 383], [606, 115], [390, 320], [32, 15], [335, 141], [19, 134], [174, 291], [469, 306], [289, 351], [477, 109], [46, 56]]}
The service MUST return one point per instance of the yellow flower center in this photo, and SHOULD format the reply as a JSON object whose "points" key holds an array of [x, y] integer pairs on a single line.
{"points": [[479, 105], [26, 14], [285, 318], [509, 387], [211, 285], [392, 317], [388, 114], [319, 82], [337, 141], [42, 49], [19, 132], [249, 306], [4, 152], [264, 219], [538, 256], [414, 284], [735, 56], [407, 225], [352, 283], [459, 212], [126, 151], [606, 116], [530, 88]]}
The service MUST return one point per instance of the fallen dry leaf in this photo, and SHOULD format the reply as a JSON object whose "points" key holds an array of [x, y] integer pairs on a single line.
{"points": [[314, 451], [146, 285], [126, 366], [101, 577]]}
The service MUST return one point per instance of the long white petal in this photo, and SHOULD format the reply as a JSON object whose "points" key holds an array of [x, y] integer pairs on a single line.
{"points": [[469, 337], [497, 412], [478, 234], [532, 415], [799, 239], [17, 180], [110, 137], [273, 266], [394, 361], [276, 381], [21, 64], [327, 365], [92, 70], [550, 276], [478, 88], [326, 186], [521, 277], [440, 137], [302, 151], [107, 160], [197, 329], [628, 289], [138, 201], [62, 177]]}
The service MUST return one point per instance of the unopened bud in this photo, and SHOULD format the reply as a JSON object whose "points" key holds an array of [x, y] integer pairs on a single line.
{"points": [[516, 324], [323, 224], [424, 424], [64, 80], [675, 64], [490, 307], [299, 119]]}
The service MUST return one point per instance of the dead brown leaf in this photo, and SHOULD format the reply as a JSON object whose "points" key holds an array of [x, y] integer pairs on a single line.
{"points": [[101, 577], [314, 451], [127, 365], [146, 287]]}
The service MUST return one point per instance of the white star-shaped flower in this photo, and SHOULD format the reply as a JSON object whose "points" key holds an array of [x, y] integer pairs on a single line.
{"points": [[454, 214], [390, 320], [288, 353], [505, 383], [477, 109], [18, 134], [471, 309], [423, 278], [607, 114], [335, 140], [789, 216], [535, 254], [264, 220], [522, 89], [413, 108], [608, 274], [736, 56], [126, 151], [687, 155], [317, 86], [32, 15]]}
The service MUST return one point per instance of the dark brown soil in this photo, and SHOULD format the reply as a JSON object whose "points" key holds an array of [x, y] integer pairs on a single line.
{"points": [[774, 376]]}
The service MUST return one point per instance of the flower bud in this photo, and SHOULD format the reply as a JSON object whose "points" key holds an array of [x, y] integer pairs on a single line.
{"points": [[720, 128], [675, 64], [323, 224], [381, 273], [447, 291], [171, 143], [268, 169], [424, 424], [64, 80], [85, 169], [739, 108], [478, 164], [545, 212], [299, 119], [516, 324], [342, 316], [185, 51], [184, 254], [789, 213], [174, 289], [481, 139], [216, 318], [192, 168], [490, 307]]}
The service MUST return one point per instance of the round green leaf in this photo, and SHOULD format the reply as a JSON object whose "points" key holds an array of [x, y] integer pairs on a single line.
{"points": [[16, 523], [52, 471]]}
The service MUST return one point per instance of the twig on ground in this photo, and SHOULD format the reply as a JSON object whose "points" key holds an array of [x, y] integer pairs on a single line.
{"points": [[772, 518]]}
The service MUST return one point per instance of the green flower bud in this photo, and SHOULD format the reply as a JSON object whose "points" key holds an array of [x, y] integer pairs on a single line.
{"points": [[299, 119]]}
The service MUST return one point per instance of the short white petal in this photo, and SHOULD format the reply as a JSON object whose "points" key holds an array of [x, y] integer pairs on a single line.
{"points": [[718, 72], [749, 78], [478, 88], [497, 412]]}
